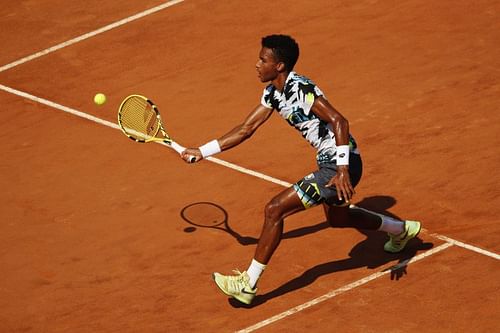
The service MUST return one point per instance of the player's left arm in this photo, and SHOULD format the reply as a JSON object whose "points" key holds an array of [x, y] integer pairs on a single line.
{"points": [[326, 112]]}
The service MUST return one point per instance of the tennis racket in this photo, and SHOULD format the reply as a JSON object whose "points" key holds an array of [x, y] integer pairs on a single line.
{"points": [[140, 120]]}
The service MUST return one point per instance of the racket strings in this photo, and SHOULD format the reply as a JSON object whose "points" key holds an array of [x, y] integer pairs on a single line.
{"points": [[139, 119]]}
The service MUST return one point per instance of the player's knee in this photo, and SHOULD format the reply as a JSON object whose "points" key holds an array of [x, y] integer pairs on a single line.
{"points": [[273, 211]]}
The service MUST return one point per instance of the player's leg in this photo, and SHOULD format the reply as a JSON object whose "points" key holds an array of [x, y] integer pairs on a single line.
{"points": [[284, 204], [341, 214], [345, 217], [400, 232], [242, 286]]}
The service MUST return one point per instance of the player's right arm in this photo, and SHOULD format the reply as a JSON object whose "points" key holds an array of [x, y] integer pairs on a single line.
{"points": [[238, 134], [245, 130]]}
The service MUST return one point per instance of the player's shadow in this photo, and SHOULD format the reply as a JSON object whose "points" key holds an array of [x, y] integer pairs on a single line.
{"points": [[367, 253]]}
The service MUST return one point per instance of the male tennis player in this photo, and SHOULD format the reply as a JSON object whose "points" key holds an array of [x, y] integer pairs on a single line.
{"points": [[304, 106]]}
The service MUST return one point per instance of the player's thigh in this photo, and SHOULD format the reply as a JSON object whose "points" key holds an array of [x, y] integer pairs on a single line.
{"points": [[284, 204]]}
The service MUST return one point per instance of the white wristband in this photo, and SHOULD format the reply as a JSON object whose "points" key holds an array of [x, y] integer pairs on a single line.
{"points": [[343, 155], [210, 148]]}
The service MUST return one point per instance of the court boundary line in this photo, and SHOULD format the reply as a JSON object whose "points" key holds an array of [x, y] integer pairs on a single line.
{"points": [[342, 290], [448, 241], [216, 160], [466, 246], [91, 34], [124, 21]]}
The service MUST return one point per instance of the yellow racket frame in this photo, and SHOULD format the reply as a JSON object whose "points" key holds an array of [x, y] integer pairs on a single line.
{"points": [[153, 138]]}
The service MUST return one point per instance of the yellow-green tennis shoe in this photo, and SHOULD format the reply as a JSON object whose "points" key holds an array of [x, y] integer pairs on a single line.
{"points": [[237, 286], [397, 243]]}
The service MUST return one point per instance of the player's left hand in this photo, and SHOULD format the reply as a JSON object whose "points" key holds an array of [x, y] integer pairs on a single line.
{"points": [[342, 183]]}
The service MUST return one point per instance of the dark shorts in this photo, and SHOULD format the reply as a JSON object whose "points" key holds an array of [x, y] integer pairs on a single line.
{"points": [[312, 191]]}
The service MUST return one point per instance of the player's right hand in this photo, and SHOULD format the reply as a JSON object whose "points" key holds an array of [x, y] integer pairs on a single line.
{"points": [[188, 153], [342, 183]]}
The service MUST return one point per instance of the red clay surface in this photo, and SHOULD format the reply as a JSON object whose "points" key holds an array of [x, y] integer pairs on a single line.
{"points": [[92, 234]]}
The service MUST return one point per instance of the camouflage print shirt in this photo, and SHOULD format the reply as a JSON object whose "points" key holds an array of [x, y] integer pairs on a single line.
{"points": [[294, 105]]}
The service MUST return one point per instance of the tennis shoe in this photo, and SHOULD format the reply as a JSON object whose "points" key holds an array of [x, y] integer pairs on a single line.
{"points": [[236, 286], [397, 243]]}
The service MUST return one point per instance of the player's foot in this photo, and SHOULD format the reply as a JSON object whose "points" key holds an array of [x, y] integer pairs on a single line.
{"points": [[397, 243], [237, 286]]}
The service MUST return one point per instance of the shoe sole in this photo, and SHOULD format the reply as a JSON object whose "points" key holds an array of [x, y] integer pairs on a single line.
{"points": [[402, 249]]}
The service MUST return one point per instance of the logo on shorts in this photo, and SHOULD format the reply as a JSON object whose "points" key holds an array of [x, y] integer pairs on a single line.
{"points": [[342, 155]]}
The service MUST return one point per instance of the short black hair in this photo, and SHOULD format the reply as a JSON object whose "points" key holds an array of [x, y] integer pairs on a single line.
{"points": [[285, 49]]}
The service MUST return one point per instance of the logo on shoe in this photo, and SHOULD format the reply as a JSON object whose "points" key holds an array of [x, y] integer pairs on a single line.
{"points": [[405, 235]]}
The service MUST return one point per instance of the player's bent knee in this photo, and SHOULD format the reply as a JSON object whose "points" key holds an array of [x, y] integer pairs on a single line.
{"points": [[273, 210]]}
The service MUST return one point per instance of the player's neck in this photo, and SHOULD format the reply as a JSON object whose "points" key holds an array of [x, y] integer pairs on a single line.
{"points": [[279, 81]]}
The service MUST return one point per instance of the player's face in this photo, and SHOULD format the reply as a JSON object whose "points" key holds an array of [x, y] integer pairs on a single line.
{"points": [[267, 66]]}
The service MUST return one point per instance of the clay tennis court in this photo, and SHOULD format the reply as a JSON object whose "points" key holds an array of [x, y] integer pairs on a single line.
{"points": [[93, 226]]}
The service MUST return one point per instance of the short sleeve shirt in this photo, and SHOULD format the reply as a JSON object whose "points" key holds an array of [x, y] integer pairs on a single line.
{"points": [[294, 105]]}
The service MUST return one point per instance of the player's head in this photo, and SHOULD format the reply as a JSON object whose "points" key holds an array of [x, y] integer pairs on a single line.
{"points": [[285, 49]]}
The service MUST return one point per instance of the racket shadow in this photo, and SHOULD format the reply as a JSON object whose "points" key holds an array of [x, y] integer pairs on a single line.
{"points": [[210, 215]]}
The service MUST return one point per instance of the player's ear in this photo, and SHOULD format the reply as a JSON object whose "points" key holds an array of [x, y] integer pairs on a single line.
{"points": [[281, 67]]}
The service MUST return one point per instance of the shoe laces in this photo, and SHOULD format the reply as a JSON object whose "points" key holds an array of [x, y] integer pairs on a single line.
{"points": [[238, 281], [241, 277]]}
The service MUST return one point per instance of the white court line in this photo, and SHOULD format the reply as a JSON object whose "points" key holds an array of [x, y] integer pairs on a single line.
{"points": [[331, 294], [91, 34], [115, 126], [467, 246], [449, 241], [112, 125], [248, 171], [339, 291], [59, 107], [213, 159]]}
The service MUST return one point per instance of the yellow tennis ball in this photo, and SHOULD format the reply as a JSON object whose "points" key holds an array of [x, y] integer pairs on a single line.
{"points": [[99, 99]]}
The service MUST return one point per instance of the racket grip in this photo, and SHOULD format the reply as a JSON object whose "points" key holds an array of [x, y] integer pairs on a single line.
{"points": [[178, 148]]}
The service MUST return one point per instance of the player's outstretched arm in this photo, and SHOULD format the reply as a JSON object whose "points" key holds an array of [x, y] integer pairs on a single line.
{"points": [[245, 130], [232, 138]]}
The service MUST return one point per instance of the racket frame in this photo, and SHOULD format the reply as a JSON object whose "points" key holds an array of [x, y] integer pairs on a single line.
{"points": [[166, 138], [154, 138]]}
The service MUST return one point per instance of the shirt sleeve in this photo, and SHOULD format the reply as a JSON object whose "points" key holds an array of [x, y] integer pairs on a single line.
{"points": [[307, 94], [267, 98]]}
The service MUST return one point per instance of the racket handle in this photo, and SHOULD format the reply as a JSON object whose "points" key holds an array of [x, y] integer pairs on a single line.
{"points": [[178, 148]]}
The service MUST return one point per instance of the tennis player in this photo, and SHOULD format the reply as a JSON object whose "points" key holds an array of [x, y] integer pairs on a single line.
{"points": [[304, 106]]}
